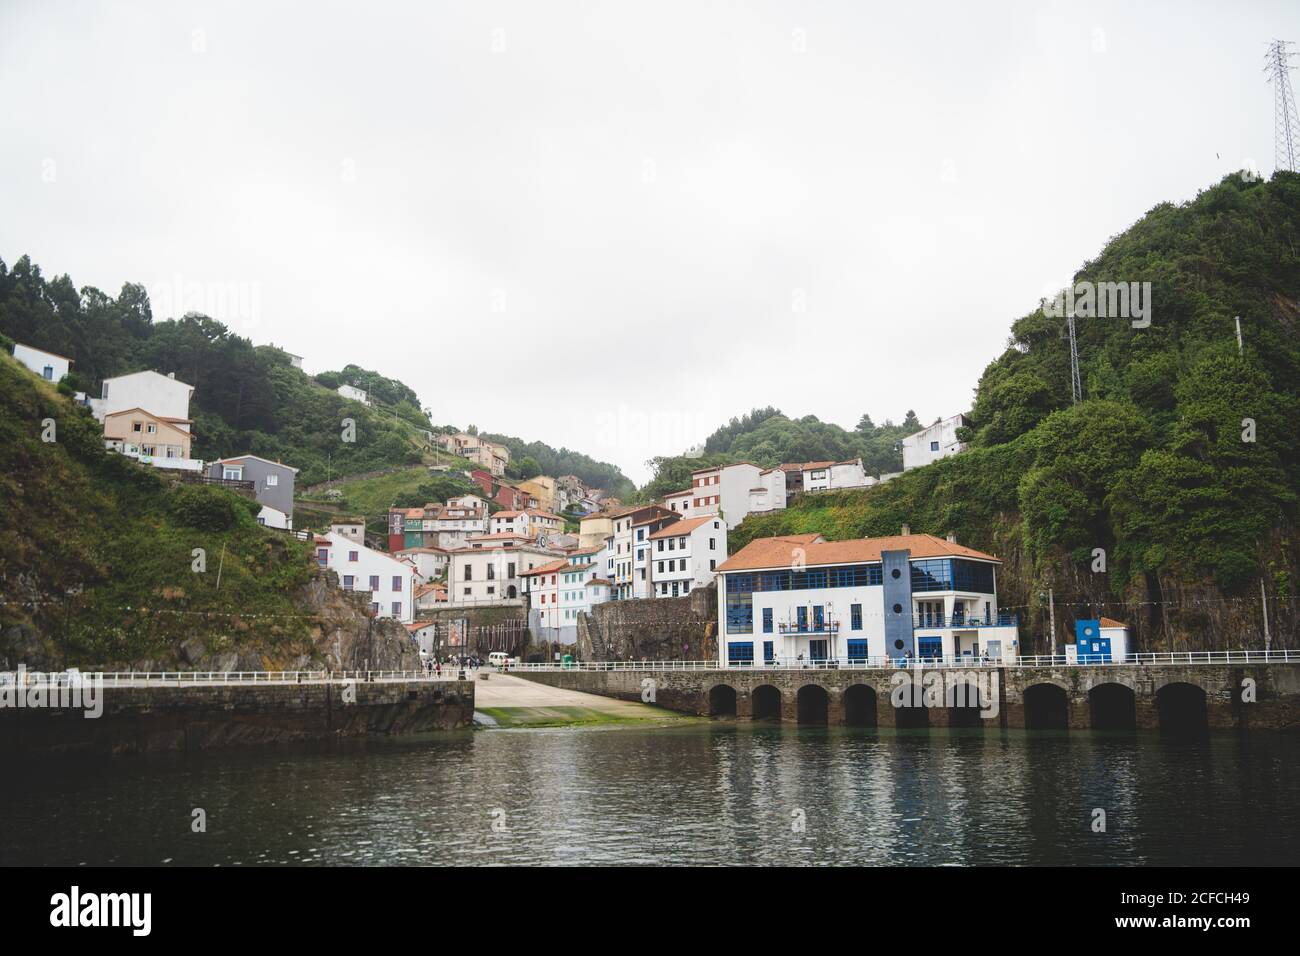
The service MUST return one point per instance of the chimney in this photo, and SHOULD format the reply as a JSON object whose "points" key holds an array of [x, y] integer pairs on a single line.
{"points": [[952, 538], [907, 529]]}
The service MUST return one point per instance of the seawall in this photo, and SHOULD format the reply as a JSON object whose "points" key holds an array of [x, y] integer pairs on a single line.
{"points": [[189, 718]]}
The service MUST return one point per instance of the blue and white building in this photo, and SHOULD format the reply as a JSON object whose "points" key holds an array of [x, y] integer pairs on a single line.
{"points": [[803, 598]]}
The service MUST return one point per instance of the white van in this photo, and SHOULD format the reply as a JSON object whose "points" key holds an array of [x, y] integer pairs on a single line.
{"points": [[500, 659]]}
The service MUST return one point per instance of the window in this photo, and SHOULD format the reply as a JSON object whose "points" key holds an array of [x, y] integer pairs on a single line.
{"points": [[713, 565], [740, 652], [232, 474], [352, 555], [322, 556], [769, 652], [136, 426], [767, 620], [347, 582], [713, 546], [857, 650], [491, 572], [934, 446], [397, 609], [374, 582], [48, 372], [510, 570], [469, 575], [397, 582], [660, 545], [151, 429], [801, 616], [272, 481], [374, 608]]}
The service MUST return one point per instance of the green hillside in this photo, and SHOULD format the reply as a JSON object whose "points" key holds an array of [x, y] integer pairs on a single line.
{"points": [[247, 398], [97, 552], [1151, 467], [768, 438]]}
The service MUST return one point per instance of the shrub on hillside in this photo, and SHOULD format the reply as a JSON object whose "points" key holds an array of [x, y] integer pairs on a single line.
{"points": [[209, 509]]}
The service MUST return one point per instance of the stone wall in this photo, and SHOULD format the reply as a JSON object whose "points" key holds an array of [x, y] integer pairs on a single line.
{"points": [[1274, 687], [160, 719], [659, 629]]}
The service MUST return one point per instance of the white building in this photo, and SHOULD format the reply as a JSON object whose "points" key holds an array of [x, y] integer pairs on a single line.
{"points": [[487, 569], [579, 592], [903, 597], [833, 475], [685, 555], [160, 395], [354, 529], [931, 444], [430, 563], [736, 490], [542, 585], [48, 365], [390, 582], [528, 523], [353, 393]]}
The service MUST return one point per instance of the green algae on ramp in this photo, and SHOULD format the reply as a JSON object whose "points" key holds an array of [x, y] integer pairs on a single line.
{"points": [[574, 716]]}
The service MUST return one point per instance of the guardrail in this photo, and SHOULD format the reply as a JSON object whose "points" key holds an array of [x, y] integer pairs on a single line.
{"points": [[893, 663], [27, 678]]}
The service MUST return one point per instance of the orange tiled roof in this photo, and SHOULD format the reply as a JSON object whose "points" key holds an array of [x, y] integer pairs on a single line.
{"points": [[685, 526], [1111, 622], [545, 568], [816, 551]]}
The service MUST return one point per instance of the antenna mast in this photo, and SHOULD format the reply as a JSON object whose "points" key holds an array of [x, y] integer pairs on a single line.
{"points": [[1286, 124], [1076, 386]]}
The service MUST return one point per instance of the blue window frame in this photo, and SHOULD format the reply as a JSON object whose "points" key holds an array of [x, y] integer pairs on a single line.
{"points": [[932, 575], [767, 620], [801, 618], [855, 616], [740, 652], [819, 618], [740, 617], [929, 646], [876, 574], [857, 650], [769, 652]]}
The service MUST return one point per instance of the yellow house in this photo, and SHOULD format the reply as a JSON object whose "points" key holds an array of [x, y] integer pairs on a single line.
{"points": [[543, 489], [594, 529], [137, 432]]}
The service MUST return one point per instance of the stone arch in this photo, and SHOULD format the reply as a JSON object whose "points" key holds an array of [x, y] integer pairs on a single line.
{"points": [[1047, 706], [965, 702], [722, 700], [1182, 709], [511, 591], [766, 700], [1112, 706], [860, 705], [813, 704]]}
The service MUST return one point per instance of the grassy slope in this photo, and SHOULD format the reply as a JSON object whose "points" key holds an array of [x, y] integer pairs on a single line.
{"points": [[79, 518]]}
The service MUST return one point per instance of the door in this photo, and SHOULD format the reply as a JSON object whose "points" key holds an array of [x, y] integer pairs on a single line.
{"points": [[818, 619]]}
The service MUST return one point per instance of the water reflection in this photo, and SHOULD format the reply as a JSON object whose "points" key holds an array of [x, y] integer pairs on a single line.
{"points": [[706, 794]]}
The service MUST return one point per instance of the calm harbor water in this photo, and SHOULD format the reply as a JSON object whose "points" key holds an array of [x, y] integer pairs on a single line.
{"points": [[707, 793]]}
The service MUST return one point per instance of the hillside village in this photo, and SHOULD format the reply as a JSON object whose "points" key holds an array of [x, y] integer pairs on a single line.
{"points": [[548, 549]]}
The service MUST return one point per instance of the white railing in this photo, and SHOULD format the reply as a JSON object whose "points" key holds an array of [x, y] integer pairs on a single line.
{"points": [[893, 663], [216, 678]]}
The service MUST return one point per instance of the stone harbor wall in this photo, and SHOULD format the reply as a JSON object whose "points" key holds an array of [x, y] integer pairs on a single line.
{"points": [[659, 629], [166, 719]]}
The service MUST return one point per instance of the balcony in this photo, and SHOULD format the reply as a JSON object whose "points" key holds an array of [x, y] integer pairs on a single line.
{"points": [[937, 621], [813, 628]]}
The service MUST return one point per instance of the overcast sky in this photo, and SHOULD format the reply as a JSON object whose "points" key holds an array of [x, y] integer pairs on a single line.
{"points": [[614, 230]]}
